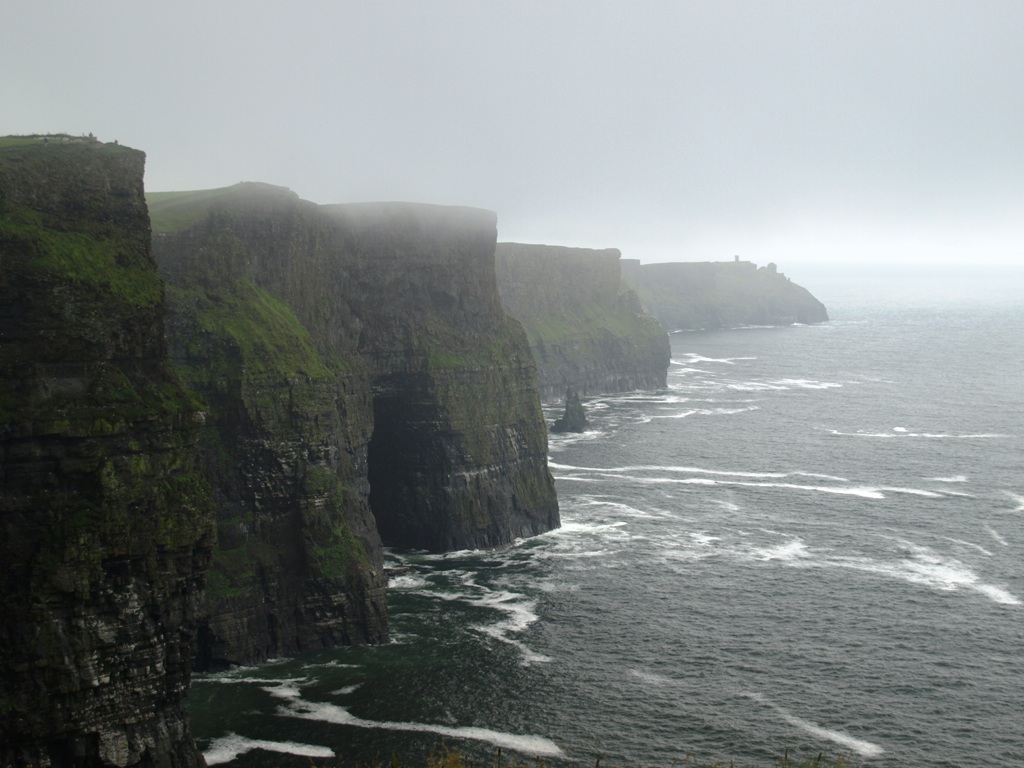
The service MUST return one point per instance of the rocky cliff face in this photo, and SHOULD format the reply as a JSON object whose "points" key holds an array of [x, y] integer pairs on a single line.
{"points": [[105, 522], [586, 330], [363, 384], [728, 294]]}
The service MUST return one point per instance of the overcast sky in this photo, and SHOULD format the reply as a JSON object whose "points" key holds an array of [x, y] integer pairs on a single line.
{"points": [[792, 132]]}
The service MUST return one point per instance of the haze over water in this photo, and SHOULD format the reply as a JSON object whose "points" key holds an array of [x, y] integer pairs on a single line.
{"points": [[811, 540]]}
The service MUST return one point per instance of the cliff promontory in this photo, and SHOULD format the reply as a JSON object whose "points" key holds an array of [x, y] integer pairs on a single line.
{"points": [[722, 294], [363, 386], [105, 520], [587, 331]]}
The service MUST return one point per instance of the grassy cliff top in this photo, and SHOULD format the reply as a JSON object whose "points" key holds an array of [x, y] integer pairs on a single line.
{"points": [[71, 210], [20, 147], [173, 211]]}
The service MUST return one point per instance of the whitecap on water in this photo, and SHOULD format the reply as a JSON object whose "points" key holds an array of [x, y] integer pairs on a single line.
{"points": [[995, 535], [408, 581], [520, 613], [909, 435], [529, 745], [972, 545], [807, 384], [346, 690], [230, 746], [862, 747], [1017, 499], [789, 552], [230, 678], [650, 677], [925, 567]]}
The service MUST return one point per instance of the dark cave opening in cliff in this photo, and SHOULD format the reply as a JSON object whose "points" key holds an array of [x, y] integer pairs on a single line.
{"points": [[398, 459]]}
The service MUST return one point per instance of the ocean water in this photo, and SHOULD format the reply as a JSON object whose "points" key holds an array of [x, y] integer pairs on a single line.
{"points": [[812, 540]]}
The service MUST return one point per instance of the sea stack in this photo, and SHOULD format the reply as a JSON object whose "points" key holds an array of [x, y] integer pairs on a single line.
{"points": [[575, 418]]}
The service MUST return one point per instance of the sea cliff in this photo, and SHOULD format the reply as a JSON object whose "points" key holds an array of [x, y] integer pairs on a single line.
{"points": [[304, 385], [724, 294], [105, 520], [587, 330], [364, 386]]}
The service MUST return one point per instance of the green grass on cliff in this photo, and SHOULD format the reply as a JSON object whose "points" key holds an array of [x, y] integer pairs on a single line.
{"points": [[81, 241], [263, 329], [83, 257]]}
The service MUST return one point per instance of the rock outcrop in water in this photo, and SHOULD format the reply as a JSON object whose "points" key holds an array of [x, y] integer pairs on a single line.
{"points": [[105, 521], [725, 294], [363, 384], [587, 330], [575, 418]]}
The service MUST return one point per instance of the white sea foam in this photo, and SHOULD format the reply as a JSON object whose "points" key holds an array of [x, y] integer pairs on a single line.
{"points": [[230, 746], [819, 476], [695, 358], [862, 747], [928, 435], [576, 527], [408, 581], [533, 746], [287, 690], [702, 539], [346, 690], [332, 664], [755, 386], [651, 678], [224, 680], [789, 552], [864, 493], [1017, 499], [913, 492], [520, 613], [629, 473], [997, 594], [969, 544], [728, 506], [927, 568], [995, 535], [807, 384], [953, 479]]}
